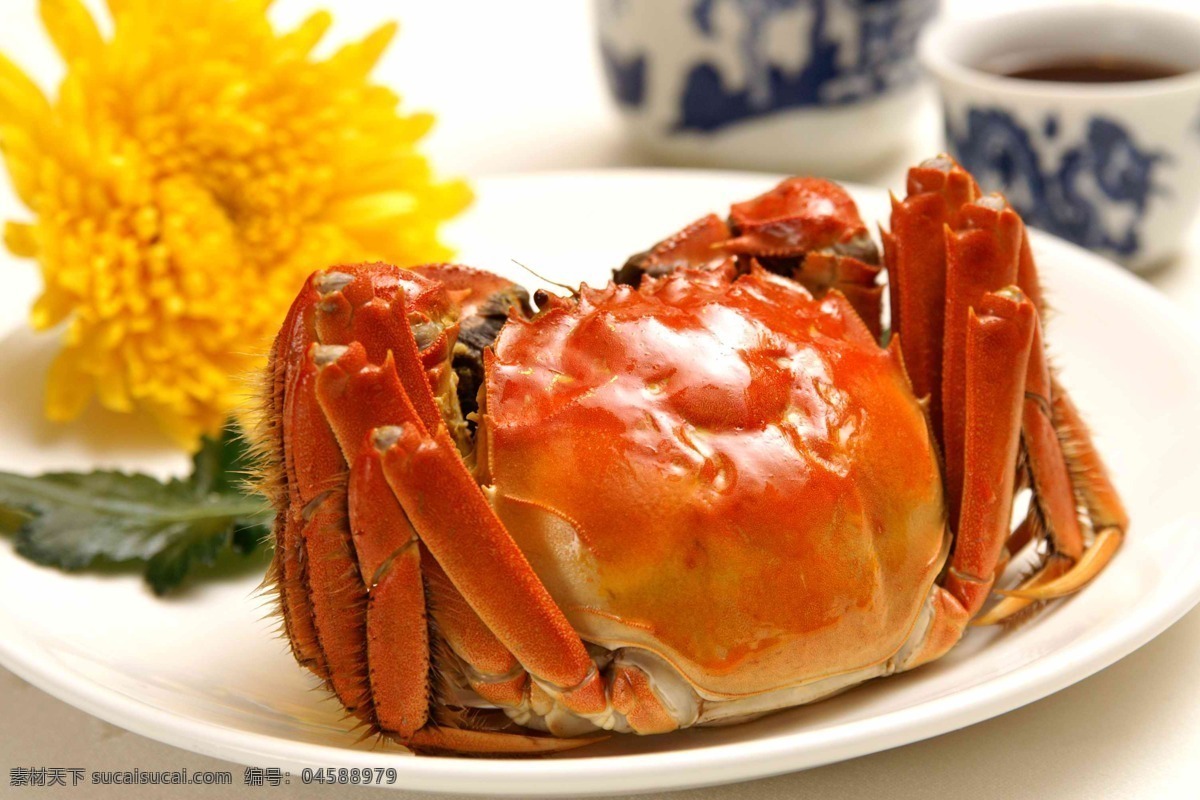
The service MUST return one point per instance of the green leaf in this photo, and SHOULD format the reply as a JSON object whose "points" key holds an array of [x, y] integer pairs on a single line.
{"points": [[221, 464], [77, 520]]}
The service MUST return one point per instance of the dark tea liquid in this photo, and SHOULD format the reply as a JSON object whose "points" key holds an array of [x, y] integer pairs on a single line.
{"points": [[1095, 70]]}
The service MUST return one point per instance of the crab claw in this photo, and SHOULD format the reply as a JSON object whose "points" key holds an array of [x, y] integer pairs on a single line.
{"points": [[699, 245], [807, 229], [797, 217]]}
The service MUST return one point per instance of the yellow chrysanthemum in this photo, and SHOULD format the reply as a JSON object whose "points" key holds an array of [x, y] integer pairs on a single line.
{"points": [[194, 168]]}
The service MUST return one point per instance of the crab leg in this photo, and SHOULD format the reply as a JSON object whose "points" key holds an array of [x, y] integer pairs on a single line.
{"points": [[400, 573], [633, 696], [494, 673], [441, 496], [991, 249], [1027, 277], [352, 311], [334, 588], [466, 740], [397, 630], [1094, 559], [981, 257], [1053, 495], [998, 345], [365, 576], [1063, 467], [1101, 501], [1089, 474], [511, 608], [855, 279], [998, 339], [915, 255], [457, 525], [1054, 568], [289, 561], [1025, 533], [345, 632]]}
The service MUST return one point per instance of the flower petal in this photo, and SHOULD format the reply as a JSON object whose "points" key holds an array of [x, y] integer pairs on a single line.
{"points": [[46, 313], [21, 239], [300, 42], [359, 58], [21, 101], [21, 159], [257, 7], [369, 210], [112, 392], [68, 388], [72, 29]]}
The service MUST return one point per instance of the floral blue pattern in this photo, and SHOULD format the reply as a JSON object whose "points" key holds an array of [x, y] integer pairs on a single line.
{"points": [[1095, 192], [626, 77], [844, 51]]}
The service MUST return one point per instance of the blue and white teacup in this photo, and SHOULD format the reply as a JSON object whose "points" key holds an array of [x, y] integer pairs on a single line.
{"points": [[1114, 167], [819, 86]]}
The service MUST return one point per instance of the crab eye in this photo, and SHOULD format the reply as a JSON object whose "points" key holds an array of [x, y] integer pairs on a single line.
{"points": [[426, 333], [329, 282], [326, 354], [992, 202], [941, 163]]}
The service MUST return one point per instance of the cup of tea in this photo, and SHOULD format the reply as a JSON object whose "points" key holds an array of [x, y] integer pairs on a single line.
{"points": [[823, 86], [1086, 118]]}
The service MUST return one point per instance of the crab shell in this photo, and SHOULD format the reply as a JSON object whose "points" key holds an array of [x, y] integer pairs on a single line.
{"points": [[697, 494], [725, 481]]}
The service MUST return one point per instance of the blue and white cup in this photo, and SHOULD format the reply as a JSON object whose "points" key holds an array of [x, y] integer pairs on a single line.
{"points": [[1113, 167], [817, 86]]}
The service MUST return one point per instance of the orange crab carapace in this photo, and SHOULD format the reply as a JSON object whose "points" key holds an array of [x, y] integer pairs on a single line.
{"points": [[700, 493]]}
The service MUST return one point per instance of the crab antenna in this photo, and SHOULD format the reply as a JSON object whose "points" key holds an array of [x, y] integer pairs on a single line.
{"points": [[540, 277]]}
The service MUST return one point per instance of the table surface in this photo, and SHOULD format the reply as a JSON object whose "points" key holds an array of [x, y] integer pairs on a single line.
{"points": [[525, 74]]}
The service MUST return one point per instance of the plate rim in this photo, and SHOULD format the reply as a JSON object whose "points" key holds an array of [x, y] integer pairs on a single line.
{"points": [[660, 770]]}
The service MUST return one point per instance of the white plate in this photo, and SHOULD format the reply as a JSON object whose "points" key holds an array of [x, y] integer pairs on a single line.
{"points": [[204, 672]]}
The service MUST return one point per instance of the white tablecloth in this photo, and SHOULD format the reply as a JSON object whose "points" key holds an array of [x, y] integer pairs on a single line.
{"points": [[517, 87]]}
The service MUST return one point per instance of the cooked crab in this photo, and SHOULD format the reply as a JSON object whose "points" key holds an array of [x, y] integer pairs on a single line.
{"points": [[700, 493]]}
